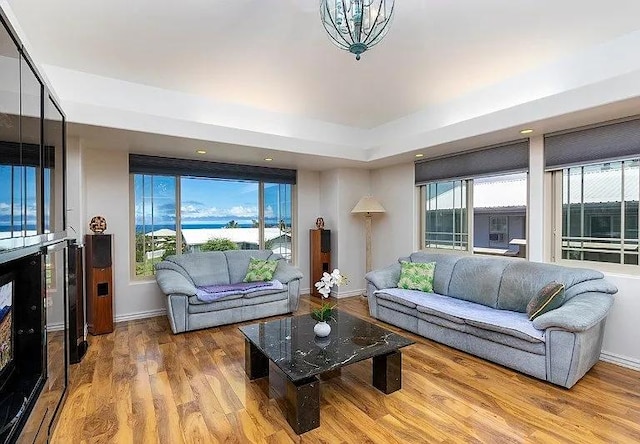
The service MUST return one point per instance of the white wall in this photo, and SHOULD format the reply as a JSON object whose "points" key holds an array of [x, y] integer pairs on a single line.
{"points": [[620, 339], [394, 232], [106, 193], [340, 190], [308, 209]]}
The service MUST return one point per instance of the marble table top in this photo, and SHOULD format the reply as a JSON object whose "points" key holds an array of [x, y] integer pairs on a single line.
{"points": [[291, 344]]}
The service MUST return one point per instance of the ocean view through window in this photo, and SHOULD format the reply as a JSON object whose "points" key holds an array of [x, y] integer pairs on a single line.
{"points": [[183, 214]]}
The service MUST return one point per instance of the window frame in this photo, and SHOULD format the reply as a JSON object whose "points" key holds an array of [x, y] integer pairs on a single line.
{"points": [[178, 218], [557, 185], [422, 223]]}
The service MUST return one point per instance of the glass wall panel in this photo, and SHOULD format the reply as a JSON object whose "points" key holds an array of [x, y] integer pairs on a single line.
{"points": [[52, 176], [30, 141], [9, 136]]}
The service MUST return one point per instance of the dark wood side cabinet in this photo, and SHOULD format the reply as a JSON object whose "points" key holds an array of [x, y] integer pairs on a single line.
{"points": [[99, 283], [320, 260]]}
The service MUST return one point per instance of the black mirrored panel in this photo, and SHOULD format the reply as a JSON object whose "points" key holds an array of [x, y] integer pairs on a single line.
{"points": [[10, 190], [52, 173], [30, 140]]}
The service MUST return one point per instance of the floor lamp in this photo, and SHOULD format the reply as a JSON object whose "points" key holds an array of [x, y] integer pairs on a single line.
{"points": [[368, 205]]}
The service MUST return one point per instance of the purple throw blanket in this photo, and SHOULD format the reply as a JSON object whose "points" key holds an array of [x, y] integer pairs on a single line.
{"points": [[212, 293]]}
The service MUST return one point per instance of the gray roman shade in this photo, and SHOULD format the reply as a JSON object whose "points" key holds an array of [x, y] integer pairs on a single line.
{"points": [[142, 164], [614, 141], [506, 158], [25, 154]]}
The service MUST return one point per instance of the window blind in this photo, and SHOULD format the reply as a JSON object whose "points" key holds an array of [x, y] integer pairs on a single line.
{"points": [[142, 164], [592, 145], [505, 158]]}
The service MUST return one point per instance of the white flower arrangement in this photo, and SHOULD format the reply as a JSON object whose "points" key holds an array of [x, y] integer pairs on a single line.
{"points": [[324, 286], [327, 281]]}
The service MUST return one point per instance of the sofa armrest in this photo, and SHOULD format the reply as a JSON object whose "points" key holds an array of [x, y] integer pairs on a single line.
{"points": [[579, 313], [286, 272], [387, 277], [172, 282]]}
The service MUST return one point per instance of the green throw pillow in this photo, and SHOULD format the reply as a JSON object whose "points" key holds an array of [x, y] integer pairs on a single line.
{"points": [[549, 298], [260, 270], [417, 276]]}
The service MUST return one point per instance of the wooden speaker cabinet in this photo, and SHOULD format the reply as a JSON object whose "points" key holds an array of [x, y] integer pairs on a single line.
{"points": [[99, 283], [320, 248]]}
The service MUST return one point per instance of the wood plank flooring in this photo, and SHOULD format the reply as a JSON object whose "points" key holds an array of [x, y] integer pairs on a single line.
{"points": [[142, 384]]}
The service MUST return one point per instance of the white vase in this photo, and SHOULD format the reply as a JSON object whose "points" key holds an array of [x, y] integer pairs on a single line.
{"points": [[322, 329]]}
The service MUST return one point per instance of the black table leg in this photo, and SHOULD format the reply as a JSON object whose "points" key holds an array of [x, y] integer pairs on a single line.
{"points": [[300, 400], [256, 364], [387, 372]]}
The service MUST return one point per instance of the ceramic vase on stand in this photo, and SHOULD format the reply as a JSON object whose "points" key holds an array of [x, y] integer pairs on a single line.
{"points": [[322, 329]]}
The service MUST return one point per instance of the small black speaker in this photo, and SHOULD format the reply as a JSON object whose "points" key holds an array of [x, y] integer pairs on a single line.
{"points": [[325, 241], [100, 250]]}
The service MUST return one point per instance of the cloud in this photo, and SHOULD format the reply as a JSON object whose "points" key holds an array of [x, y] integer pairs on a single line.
{"points": [[197, 210]]}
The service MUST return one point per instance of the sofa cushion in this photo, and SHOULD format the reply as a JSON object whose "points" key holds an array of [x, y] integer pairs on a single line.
{"points": [[203, 269], [549, 298], [477, 279], [397, 307], [501, 321], [222, 304], [417, 276], [260, 270], [408, 298], [238, 262], [522, 280], [444, 268]]}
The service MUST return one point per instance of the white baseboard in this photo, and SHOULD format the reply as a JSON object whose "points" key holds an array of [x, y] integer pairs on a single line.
{"points": [[141, 315], [348, 294], [623, 361]]}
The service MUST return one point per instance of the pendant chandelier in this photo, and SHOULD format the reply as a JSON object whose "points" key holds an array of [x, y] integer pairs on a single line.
{"points": [[356, 25]]}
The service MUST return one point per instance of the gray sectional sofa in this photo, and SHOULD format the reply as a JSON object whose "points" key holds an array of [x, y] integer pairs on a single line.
{"points": [[182, 277], [479, 306]]}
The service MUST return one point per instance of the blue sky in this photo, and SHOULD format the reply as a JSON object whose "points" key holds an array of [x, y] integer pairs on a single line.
{"points": [[5, 196], [208, 200]]}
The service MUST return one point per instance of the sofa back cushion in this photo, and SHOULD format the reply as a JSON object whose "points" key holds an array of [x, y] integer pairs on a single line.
{"points": [[203, 269], [523, 280], [444, 268], [238, 262], [477, 279]]}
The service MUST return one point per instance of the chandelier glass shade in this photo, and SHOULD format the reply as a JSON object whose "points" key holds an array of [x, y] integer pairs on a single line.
{"points": [[356, 25]]}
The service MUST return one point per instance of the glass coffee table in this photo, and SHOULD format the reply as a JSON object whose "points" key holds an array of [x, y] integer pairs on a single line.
{"points": [[292, 356]]}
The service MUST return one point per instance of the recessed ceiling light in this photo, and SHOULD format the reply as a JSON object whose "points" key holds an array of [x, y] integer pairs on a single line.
{"points": [[526, 131], [419, 155], [201, 152], [268, 159]]}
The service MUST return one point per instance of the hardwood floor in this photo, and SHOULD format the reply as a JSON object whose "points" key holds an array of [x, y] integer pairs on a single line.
{"points": [[143, 384]]}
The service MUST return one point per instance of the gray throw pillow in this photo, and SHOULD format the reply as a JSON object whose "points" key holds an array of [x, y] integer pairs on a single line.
{"points": [[549, 298]]}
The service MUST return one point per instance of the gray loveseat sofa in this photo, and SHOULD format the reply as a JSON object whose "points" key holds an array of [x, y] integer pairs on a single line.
{"points": [[479, 306], [182, 277]]}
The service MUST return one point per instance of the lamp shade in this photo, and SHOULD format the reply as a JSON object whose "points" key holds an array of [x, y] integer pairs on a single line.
{"points": [[368, 204]]}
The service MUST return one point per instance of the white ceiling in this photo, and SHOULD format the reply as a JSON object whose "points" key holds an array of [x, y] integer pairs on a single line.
{"points": [[274, 56]]}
